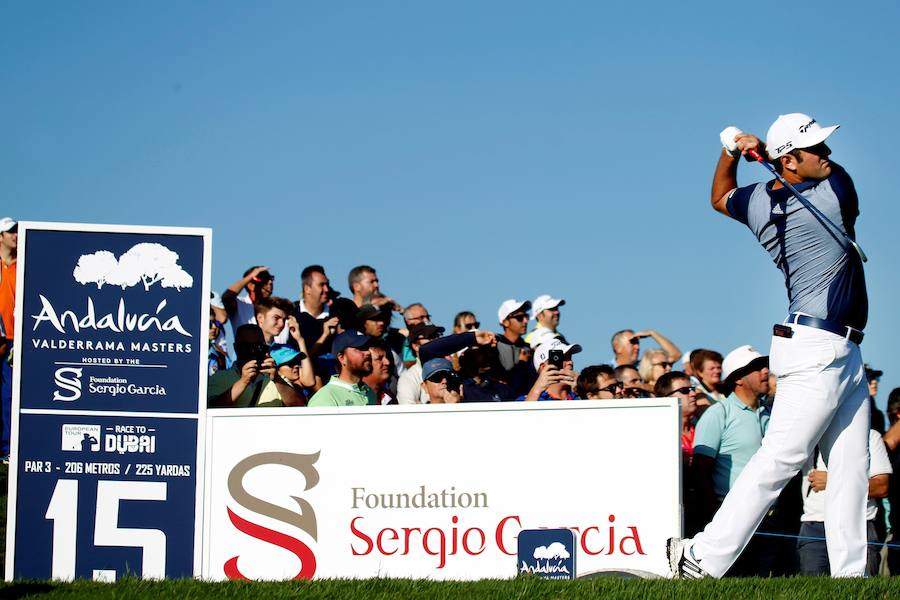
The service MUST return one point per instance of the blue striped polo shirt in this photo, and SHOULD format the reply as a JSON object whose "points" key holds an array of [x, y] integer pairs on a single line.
{"points": [[823, 278]]}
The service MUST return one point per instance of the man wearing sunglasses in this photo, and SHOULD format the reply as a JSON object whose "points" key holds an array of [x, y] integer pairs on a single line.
{"points": [[514, 352], [598, 382], [440, 382], [728, 434], [545, 312], [809, 232], [626, 344]]}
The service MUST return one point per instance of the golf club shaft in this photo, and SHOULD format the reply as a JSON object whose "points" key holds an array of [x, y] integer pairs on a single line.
{"points": [[758, 158]]}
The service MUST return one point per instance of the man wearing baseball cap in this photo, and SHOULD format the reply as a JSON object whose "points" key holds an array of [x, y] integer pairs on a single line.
{"points": [[513, 350], [351, 350], [822, 397], [440, 382], [545, 312], [553, 382], [728, 434], [9, 241]]}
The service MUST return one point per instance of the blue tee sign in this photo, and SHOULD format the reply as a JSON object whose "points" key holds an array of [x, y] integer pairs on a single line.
{"points": [[109, 393], [547, 553]]}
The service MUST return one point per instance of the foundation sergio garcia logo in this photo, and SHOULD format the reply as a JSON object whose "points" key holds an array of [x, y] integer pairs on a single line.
{"points": [[305, 519]]}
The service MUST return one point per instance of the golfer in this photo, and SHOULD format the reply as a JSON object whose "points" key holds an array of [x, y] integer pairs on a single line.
{"points": [[821, 395]]}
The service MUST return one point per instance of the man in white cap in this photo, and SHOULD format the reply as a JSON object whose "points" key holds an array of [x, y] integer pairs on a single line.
{"points": [[728, 434], [545, 312], [513, 350], [554, 381], [9, 241], [822, 397]]}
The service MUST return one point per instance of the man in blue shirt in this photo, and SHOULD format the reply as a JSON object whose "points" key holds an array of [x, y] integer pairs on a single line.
{"points": [[822, 397], [728, 434]]}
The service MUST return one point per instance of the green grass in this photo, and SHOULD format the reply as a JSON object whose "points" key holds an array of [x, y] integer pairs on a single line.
{"points": [[796, 588], [375, 589]]}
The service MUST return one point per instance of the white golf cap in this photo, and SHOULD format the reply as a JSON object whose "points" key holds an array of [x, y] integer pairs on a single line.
{"points": [[543, 351], [510, 306], [542, 303], [7, 223], [742, 360], [793, 131]]}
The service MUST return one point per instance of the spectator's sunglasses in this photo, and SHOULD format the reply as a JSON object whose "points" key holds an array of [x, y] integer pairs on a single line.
{"points": [[472, 326], [633, 392], [613, 387], [683, 390], [215, 323], [439, 377], [518, 317], [664, 364], [635, 340]]}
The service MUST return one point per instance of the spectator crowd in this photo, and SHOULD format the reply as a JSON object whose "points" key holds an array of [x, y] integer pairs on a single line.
{"points": [[325, 349], [368, 349]]}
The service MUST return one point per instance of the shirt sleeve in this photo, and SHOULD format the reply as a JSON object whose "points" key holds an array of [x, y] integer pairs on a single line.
{"points": [[738, 203], [408, 391], [445, 346], [708, 435], [845, 191], [219, 382], [879, 462]]}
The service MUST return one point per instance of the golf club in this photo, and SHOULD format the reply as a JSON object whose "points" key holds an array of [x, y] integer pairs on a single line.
{"points": [[758, 158]]}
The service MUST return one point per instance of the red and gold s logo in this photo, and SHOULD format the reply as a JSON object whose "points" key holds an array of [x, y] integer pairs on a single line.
{"points": [[305, 519]]}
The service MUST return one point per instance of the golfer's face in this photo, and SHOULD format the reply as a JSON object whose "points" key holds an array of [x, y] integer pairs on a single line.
{"points": [[813, 162]]}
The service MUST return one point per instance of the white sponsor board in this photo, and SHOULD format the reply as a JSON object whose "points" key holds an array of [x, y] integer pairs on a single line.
{"points": [[438, 492]]}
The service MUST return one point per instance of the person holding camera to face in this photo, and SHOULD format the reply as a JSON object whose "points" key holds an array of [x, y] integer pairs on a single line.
{"points": [[253, 379], [556, 372]]}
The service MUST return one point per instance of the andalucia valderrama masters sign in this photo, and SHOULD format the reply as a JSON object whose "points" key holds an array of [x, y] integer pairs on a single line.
{"points": [[110, 396], [119, 469]]}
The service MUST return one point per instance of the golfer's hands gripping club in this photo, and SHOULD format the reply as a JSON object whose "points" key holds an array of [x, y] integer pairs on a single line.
{"points": [[736, 142]]}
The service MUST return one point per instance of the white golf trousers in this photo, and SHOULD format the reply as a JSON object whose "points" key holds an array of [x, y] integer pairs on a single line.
{"points": [[822, 398]]}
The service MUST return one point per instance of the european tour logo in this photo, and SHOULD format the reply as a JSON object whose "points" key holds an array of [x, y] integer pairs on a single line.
{"points": [[305, 519]]}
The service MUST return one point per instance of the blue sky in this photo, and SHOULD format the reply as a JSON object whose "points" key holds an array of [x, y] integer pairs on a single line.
{"points": [[470, 151]]}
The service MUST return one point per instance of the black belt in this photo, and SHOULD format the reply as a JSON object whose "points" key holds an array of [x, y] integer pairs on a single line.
{"points": [[854, 335]]}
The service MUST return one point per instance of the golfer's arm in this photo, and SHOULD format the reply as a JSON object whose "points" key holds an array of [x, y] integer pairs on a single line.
{"points": [[724, 180]]}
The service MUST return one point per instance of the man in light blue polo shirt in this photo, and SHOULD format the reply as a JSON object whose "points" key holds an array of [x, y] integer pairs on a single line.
{"points": [[351, 349], [731, 431]]}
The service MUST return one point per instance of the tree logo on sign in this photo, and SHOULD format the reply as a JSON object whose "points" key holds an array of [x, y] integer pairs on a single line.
{"points": [[144, 263]]}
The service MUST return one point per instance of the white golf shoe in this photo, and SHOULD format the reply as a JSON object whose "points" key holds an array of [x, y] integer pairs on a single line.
{"points": [[682, 563]]}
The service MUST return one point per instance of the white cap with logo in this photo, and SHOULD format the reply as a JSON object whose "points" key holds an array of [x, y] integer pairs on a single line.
{"points": [[542, 303], [7, 223], [510, 306], [740, 358], [543, 351], [793, 131]]}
